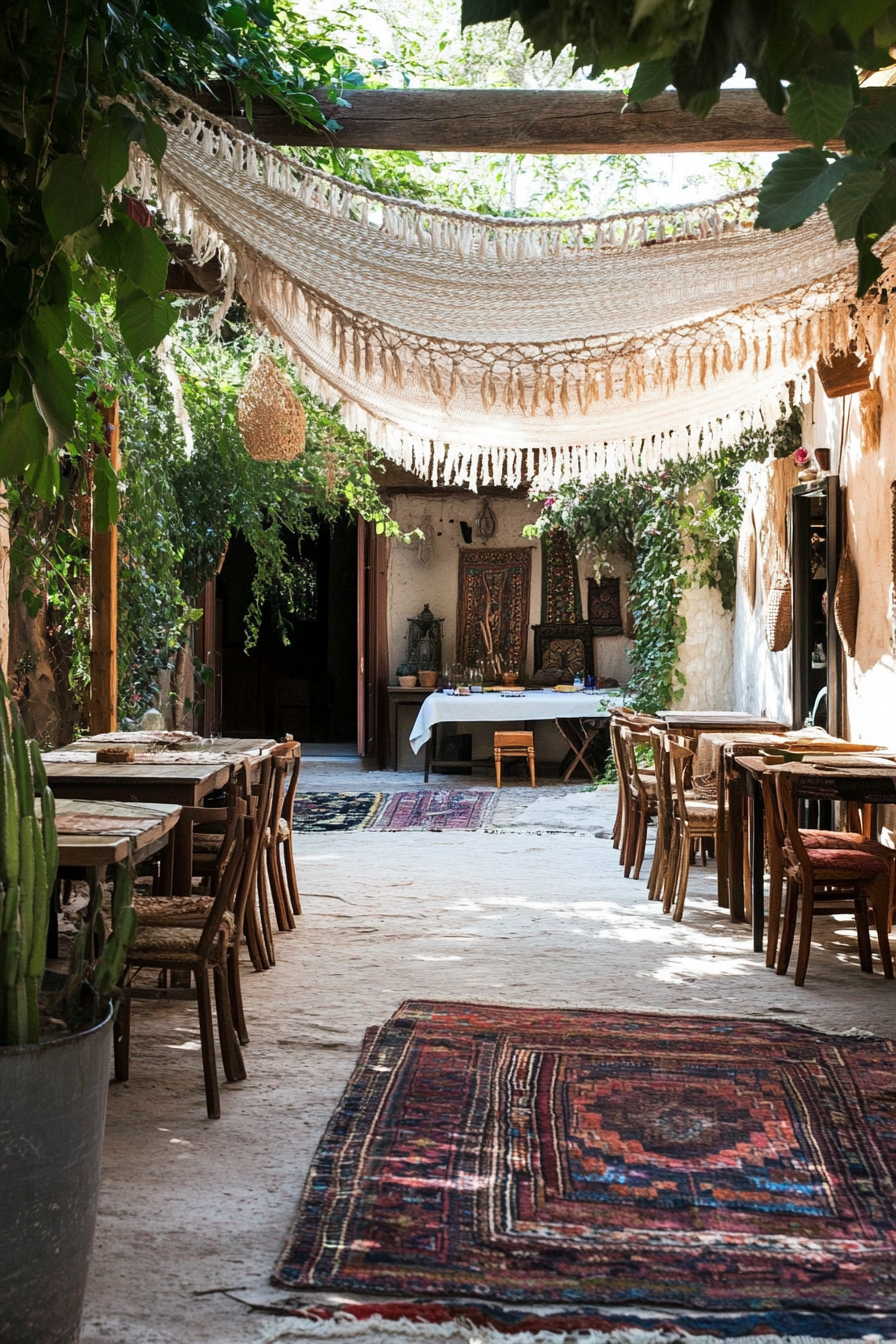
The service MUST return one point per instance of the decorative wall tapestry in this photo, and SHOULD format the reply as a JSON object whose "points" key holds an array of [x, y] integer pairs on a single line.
{"points": [[561, 599], [496, 350], [562, 652], [605, 606], [526, 1155], [493, 592]]}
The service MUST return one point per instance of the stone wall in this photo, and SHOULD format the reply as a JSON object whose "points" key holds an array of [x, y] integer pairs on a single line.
{"points": [[706, 658]]}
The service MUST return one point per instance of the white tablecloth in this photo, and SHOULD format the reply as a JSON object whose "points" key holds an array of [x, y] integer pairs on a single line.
{"points": [[496, 707]]}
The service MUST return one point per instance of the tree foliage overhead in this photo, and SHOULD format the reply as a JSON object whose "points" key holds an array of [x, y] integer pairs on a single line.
{"points": [[72, 101], [804, 56]]}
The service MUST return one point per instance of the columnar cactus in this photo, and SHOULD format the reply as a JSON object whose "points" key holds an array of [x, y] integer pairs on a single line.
{"points": [[28, 859]]}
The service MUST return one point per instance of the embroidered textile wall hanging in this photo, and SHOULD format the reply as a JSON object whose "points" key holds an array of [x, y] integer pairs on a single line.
{"points": [[605, 607], [493, 594], [563, 651], [561, 599]]}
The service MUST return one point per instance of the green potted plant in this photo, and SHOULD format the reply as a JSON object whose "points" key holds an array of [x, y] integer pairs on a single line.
{"points": [[55, 1045]]}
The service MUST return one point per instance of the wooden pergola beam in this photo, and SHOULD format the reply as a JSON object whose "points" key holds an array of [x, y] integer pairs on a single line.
{"points": [[103, 702], [522, 121]]}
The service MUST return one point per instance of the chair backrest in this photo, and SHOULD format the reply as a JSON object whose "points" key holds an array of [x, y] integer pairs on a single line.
{"points": [[794, 849], [663, 771], [680, 759], [628, 740], [289, 802], [231, 861]]}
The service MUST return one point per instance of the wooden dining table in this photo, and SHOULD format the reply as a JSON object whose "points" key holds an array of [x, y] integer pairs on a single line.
{"points": [[182, 777], [92, 837], [846, 783]]}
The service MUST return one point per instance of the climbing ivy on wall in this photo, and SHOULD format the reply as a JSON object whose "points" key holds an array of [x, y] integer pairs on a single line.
{"points": [[676, 527]]}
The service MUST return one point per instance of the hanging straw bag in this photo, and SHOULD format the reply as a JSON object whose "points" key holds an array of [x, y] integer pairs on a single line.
{"points": [[846, 601], [746, 559], [779, 614], [270, 416]]}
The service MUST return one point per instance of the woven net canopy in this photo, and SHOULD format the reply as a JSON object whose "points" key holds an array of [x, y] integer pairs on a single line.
{"points": [[486, 350]]}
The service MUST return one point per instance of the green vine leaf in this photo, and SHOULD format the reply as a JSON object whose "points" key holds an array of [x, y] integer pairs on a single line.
{"points": [[798, 184], [55, 393], [144, 322], [108, 154], [105, 494], [850, 200], [820, 99], [72, 195], [44, 478], [23, 437], [651, 79], [144, 260]]}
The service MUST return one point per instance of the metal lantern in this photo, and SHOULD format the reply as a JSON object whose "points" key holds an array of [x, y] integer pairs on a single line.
{"points": [[425, 641]]}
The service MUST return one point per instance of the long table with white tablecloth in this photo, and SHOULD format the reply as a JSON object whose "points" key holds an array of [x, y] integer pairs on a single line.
{"points": [[509, 707]]}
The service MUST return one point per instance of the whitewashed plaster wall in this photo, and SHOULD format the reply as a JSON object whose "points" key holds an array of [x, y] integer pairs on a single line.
{"points": [[866, 471], [412, 583]]}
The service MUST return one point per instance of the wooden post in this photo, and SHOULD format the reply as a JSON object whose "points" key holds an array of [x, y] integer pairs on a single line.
{"points": [[104, 600]]}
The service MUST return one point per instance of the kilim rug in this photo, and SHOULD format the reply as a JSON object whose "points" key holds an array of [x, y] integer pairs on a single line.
{"points": [[335, 811], [585, 1159], [437, 810]]}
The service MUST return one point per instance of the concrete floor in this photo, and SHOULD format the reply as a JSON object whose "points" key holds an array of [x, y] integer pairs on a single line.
{"points": [[533, 911]]}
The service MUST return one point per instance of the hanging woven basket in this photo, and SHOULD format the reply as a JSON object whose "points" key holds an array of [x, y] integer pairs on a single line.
{"points": [[779, 614], [270, 416], [746, 560], [846, 602]]}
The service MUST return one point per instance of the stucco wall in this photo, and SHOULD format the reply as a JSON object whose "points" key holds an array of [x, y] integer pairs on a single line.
{"points": [[412, 583], [866, 473], [866, 469]]}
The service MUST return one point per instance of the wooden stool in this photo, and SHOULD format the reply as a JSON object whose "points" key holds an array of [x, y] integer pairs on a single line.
{"points": [[514, 744]]}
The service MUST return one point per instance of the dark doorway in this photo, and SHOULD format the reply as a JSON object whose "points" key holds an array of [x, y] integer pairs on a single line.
{"points": [[309, 687], [817, 658]]}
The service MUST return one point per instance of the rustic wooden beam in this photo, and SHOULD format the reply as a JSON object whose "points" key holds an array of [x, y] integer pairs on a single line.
{"points": [[522, 121], [103, 709]]}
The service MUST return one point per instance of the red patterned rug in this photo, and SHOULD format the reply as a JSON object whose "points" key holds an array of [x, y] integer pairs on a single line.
{"points": [[576, 1157], [437, 810]]}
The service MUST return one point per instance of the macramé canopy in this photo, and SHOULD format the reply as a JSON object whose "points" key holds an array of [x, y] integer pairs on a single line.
{"points": [[486, 350]]}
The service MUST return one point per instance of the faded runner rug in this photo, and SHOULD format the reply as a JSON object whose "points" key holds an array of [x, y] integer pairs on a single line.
{"points": [[437, 810], [585, 1159], [335, 811]]}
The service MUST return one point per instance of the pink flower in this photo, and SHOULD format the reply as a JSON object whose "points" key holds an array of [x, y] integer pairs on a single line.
{"points": [[801, 457]]}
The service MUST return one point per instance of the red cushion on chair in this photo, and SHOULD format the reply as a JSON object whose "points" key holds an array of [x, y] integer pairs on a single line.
{"points": [[837, 840], [841, 864]]}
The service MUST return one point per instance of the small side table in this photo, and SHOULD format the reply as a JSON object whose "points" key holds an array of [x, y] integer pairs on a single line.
{"points": [[403, 695]]}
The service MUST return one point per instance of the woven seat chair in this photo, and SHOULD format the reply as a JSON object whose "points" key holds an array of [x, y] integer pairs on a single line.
{"points": [[694, 819], [825, 881], [815, 842], [657, 878], [179, 947], [626, 718]]}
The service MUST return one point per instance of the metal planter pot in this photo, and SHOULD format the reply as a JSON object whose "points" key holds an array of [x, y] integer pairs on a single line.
{"points": [[52, 1115]]}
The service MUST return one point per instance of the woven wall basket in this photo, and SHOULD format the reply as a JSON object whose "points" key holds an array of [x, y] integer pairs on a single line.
{"points": [[779, 614], [746, 560], [846, 602], [269, 414]]}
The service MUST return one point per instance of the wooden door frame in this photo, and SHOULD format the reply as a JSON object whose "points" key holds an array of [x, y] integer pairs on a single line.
{"points": [[373, 645], [828, 488]]}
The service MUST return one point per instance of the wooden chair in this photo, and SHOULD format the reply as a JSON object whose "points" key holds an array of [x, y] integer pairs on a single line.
{"points": [[656, 881], [642, 807], [181, 947], [816, 842], [693, 819], [827, 880], [283, 838], [508, 745], [278, 833]]}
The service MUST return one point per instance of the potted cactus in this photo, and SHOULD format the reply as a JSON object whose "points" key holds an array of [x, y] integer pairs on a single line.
{"points": [[55, 1048]]}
